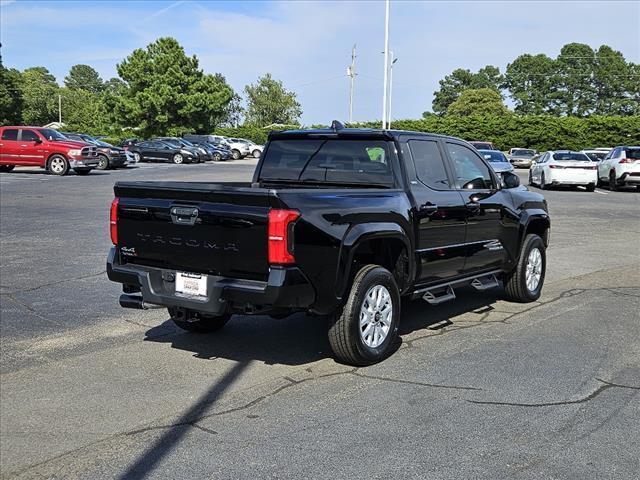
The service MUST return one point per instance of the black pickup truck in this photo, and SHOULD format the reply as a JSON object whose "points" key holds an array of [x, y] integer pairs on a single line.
{"points": [[337, 222]]}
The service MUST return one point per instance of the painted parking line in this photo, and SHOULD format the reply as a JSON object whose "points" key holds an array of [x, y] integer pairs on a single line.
{"points": [[601, 192]]}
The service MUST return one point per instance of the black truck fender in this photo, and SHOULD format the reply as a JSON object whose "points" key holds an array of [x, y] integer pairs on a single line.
{"points": [[356, 237]]}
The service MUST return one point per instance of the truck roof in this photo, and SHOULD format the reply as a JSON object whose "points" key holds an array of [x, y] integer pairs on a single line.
{"points": [[349, 132]]}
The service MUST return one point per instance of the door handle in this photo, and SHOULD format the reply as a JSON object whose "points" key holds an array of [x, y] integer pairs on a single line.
{"points": [[429, 208]]}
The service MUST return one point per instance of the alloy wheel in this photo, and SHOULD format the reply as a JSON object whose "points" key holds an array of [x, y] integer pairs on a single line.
{"points": [[376, 314], [533, 269]]}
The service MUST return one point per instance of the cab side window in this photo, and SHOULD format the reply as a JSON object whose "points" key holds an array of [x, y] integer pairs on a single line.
{"points": [[429, 164], [470, 171], [10, 134], [29, 136]]}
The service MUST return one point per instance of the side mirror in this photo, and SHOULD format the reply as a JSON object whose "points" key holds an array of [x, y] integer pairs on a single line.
{"points": [[510, 180]]}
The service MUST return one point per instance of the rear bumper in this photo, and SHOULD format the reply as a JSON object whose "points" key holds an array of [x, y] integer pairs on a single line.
{"points": [[632, 178], [573, 177], [286, 288]]}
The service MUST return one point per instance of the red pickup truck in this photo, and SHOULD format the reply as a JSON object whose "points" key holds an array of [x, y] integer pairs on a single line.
{"points": [[45, 148]]}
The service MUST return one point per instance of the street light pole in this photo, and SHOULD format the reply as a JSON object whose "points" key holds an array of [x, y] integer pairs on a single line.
{"points": [[393, 62], [351, 72], [386, 64]]}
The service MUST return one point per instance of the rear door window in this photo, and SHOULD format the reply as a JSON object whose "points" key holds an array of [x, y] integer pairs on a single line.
{"points": [[429, 164], [345, 161], [10, 134]]}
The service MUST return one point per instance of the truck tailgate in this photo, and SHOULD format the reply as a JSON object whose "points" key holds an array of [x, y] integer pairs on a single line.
{"points": [[218, 229]]}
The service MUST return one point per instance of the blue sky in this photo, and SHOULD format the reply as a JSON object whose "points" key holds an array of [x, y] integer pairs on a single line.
{"points": [[308, 44]]}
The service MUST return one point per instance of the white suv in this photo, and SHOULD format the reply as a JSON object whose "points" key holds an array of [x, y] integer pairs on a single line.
{"points": [[620, 168]]}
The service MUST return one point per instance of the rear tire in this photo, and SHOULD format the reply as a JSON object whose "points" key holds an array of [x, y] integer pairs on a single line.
{"points": [[217, 157], [256, 153], [543, 183], [591, 187], [365, 330], [196, 322], [58, 165], [6, 168], [613, 186], [235, 154], [519, 285], [177, 159]]}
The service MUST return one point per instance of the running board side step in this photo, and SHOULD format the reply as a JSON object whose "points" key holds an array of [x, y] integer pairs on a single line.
{"points": [[439, 295], [485, 283], [444, 291]]}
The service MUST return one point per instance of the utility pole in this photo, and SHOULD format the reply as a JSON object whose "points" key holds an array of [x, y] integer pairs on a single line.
{"points": [[59, 108], [386, 64], [351, 72], [393, 62]]}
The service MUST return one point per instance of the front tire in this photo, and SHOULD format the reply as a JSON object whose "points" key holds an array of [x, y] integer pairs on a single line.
{"points": [[217, 157], [178, 159], [6, 168], [58, 165], [365, 330], [197, 323], [103, 163], [235, 154], [524, 283], [256, 153]]}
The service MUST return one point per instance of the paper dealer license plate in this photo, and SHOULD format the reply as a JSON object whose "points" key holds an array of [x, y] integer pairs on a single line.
{"points": [[192, 284]]}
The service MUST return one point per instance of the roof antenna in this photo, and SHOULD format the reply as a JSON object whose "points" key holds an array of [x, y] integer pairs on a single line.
{"points": [[336, 125]]}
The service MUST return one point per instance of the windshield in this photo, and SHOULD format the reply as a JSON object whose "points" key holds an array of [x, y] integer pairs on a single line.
{"points": [[94, 141], [187, 143], [596, 156], [570, 156], [173, 143], [328, 160], [523, 153], [51, 134], [494, 156]]}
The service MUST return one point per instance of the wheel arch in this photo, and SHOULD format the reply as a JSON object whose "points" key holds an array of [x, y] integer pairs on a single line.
{"points": [[384, 244], [536, 223]]}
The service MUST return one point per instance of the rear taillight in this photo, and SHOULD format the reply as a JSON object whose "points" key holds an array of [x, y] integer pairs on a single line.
{"points": [[279, 231], [626, 160], [113, 221], [555, 166]]}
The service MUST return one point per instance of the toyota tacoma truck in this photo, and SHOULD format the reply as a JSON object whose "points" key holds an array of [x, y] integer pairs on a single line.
{"points": [[339, 223]]}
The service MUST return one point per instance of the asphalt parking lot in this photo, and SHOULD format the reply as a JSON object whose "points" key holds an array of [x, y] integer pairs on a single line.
{"points": [[479, 387]]}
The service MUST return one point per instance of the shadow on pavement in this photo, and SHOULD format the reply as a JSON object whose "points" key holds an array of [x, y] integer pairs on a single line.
{"points": [[153, 455], [300, 339]]}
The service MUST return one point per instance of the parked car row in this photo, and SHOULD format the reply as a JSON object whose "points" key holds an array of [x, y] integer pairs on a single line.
{"points": [[619, 168], [191, 148], [616, 167]]}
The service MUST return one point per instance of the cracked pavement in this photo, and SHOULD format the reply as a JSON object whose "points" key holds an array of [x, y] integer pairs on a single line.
{"points": [[478, 387]]}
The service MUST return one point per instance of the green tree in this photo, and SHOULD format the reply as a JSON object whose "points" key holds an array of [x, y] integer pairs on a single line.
{"points": [[83, 77], [82, 111], [460, 80], [481, 101], [575, 69], [530, 81], [268, 102], [40, 96], [613, 90], [10, 96], [165, 91]]}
